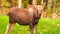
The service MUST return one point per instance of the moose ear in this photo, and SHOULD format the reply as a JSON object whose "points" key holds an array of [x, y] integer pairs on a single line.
{"points": [[39, 7], [44, 3]]}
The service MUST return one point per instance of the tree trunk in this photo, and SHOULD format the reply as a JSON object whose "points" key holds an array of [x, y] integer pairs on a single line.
{"points": [[41, 1], [19, 3], [34, 2], [49, 6]]}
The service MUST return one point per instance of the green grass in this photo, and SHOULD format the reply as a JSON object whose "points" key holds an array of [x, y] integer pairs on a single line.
{"points": [[45, 26]]}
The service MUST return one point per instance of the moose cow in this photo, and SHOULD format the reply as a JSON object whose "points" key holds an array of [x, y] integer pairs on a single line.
{"points": [[29, 16]]}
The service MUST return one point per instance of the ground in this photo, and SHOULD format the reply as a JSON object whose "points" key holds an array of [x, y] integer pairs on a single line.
{"points": [[45, 26]]}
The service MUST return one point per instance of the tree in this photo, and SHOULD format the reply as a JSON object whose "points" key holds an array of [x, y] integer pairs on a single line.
{"points": [[49, 5], [34, 2], [49, 8], [20, 3]]}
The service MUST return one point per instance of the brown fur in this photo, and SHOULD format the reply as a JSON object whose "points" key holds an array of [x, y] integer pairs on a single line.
{"points": [[28, 16]]}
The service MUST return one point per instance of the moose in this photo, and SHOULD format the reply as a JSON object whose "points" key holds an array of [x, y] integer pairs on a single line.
{"points": [[28, 16]]}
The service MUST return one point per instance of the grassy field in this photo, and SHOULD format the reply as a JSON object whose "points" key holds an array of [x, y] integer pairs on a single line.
{"points": [[45, 26]]}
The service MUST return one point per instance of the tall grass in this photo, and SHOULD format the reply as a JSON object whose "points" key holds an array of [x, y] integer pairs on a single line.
{"points": [[45, 26]]}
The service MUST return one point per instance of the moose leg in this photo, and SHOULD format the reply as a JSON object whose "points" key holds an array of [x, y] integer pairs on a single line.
{"points": [[35, 29], [31, 29], [9, 28]]}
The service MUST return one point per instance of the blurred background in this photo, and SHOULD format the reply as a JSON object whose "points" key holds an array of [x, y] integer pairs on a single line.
{"points": [[48, 24], [52, 7]]}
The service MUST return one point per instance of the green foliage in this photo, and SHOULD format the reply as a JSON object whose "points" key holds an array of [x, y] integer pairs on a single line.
{"points": [[54, 1], [45, 26], [25, 3], [38, 2], [5, 3], [15, 1], [57, 7]]}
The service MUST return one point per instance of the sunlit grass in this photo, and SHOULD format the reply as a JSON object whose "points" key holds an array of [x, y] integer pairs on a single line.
{"points": [[45, 26]]}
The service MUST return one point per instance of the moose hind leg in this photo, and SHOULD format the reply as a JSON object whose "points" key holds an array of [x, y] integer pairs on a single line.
{"points": [[9, 28]]}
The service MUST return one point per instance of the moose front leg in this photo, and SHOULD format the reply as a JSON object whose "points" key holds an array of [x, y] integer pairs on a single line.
{"points": [[31, 29], [35, 29]]}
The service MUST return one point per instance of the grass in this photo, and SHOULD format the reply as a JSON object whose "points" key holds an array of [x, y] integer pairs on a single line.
{"points": [[45, 26]]}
